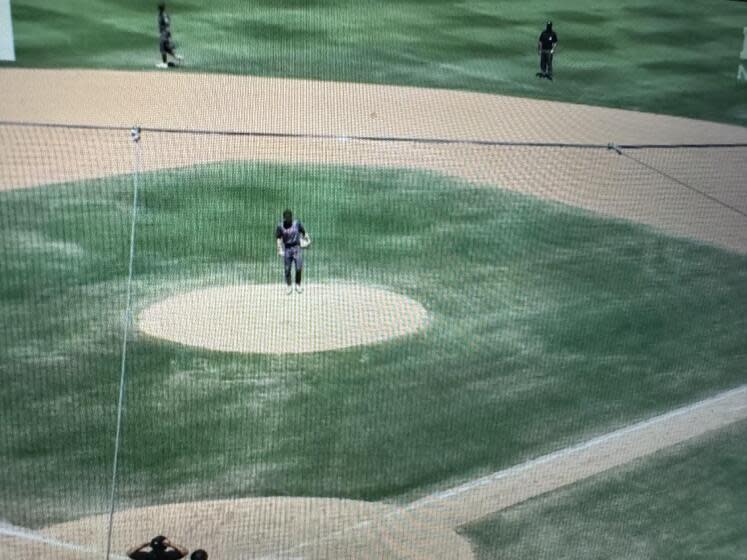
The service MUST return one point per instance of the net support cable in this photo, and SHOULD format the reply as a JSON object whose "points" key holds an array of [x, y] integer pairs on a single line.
{"points": [[365, 138]]}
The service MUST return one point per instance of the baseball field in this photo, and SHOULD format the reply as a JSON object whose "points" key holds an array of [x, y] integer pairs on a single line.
{"points": [[522, 333]]}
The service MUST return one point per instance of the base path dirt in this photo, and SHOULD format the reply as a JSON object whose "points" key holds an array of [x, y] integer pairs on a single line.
{"points": [[275, 528]]}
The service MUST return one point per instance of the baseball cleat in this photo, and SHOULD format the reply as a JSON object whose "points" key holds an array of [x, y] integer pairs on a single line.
{"points": [[179, 57], [289, 291], [299, 289], [162, 65]]}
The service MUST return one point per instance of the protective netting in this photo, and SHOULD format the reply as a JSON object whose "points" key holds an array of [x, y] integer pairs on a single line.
{"points": [[112, 433]]}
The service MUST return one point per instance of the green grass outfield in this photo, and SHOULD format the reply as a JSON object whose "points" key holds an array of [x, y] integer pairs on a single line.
{"points": [[678, 58], [685, 503], [548, 325]]}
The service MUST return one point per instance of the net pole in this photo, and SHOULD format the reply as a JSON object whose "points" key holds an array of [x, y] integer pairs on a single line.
{"points": [[127, 325]]}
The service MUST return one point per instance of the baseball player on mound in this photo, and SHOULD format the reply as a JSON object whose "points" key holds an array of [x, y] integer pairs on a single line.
{"points": [[291, 238]]}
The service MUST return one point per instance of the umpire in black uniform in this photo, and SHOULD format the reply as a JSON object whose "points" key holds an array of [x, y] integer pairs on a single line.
{"points": [[548, 39]]}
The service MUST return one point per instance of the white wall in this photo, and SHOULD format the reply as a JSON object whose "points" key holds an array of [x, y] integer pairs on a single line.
{"points": [[7, 50]]}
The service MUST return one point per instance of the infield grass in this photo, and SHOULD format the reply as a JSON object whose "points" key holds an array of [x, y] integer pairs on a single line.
{"points": [[548, 325], [679, 58], [684, 503]]}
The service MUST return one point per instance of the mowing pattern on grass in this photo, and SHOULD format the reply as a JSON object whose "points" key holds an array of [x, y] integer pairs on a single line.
{"points": [[684, 503], [548, 324], [678, 59]]}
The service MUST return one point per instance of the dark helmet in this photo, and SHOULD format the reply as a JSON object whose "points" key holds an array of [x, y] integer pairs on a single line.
{"points": [[199, 554], [549, 25], [157, 543], [287, 215], [162, 6]]}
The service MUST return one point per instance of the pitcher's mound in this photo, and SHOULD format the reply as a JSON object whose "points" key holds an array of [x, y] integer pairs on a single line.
{"points": [[263, 318]]}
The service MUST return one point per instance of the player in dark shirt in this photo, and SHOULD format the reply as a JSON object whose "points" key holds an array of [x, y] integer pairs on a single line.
{"points": [[160, 549], [165, 43], [548, 40], [291, 237]]}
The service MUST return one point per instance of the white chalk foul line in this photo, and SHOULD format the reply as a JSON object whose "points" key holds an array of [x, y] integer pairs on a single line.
{"points": [[477, 498]]}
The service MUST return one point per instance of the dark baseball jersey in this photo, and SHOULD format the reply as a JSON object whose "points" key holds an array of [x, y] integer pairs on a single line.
{"points": [[166, 45], [164, 22], [291, 236], [548, 39]]}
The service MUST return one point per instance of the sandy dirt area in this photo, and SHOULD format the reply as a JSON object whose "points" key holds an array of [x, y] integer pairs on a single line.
{"points": [[264, 319], [277, 528], [599, 180]]}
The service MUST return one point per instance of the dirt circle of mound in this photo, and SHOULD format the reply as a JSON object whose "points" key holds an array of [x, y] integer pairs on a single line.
{"points": [[264, 319], [275, 528]]}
